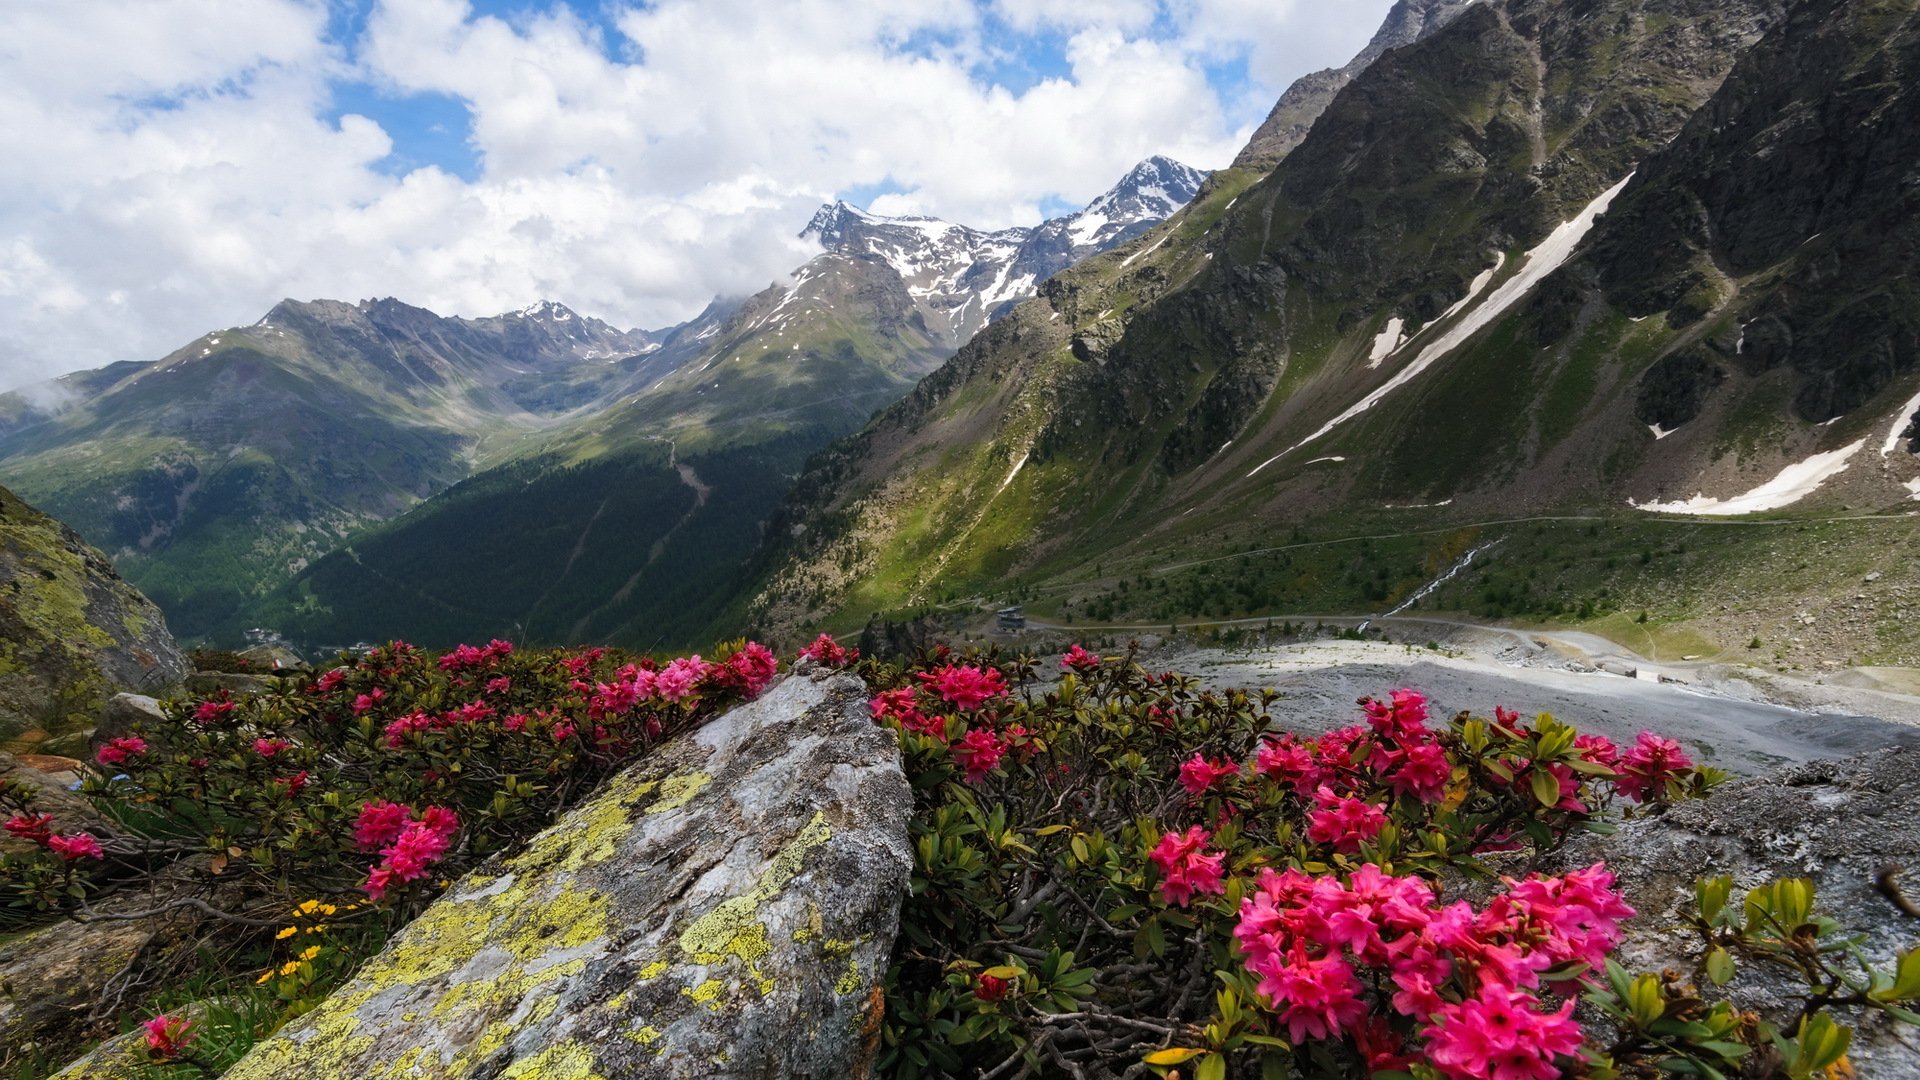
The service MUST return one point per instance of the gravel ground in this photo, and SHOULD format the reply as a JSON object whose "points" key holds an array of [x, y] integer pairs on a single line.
{"points": [[1731, 717]]}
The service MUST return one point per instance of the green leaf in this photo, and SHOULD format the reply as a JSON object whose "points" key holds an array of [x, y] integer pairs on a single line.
{"points": [[1719, 965], [1546, 787], [1211, 1067], [1173, 1055]]}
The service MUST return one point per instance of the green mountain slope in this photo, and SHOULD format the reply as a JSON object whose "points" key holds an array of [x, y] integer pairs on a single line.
{"points": [[217, 472], [1397, 332]]}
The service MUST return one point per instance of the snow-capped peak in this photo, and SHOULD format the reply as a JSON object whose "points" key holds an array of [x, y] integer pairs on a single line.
{"points": [[545, 309]]}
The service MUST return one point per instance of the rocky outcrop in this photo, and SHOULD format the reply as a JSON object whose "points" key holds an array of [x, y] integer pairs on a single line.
{"points": [[71, 631], [725, 908], [55, 980], [1836, 822]]}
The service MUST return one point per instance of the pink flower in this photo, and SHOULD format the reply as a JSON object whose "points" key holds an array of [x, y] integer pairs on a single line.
{"points": [[168, 1035], [678, 679], [499, 684], [368, 700], [267, 748], [755, 666], [37, 828], [1499, 1034], [1316, 998], [441, 820], [379, 823], [978, 752], [990, 987], [76, 847], [294, 784], [379, 880], [1344, 822], [894, 703], [1598, 749], [118, 750], [516, 722], [213, 711], [1645, 769], [964, 687], [825, 650], [1290, 760], [1403, 719], [1080, 660], [1421, 771], [563, 731], [1197, 774], [415, 851], [1186, 867]]}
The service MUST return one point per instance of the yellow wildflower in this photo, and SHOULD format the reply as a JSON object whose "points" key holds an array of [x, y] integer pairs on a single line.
{"points": [[286, 933], [309, 907], [310, 953], [289, 967]]}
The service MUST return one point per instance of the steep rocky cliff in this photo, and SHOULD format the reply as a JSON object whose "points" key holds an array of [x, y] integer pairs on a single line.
{"points": [[72, 633]]}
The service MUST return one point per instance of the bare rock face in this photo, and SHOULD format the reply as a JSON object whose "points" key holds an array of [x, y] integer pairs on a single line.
{"points": [[1835, 822], [51, 978], [725, 908], [72, 632]]}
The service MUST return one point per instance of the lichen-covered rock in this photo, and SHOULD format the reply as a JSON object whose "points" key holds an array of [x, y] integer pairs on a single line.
{"points": [[51, 979], [1835, 822], [72, 632], [126, 1056], [724, 908]]}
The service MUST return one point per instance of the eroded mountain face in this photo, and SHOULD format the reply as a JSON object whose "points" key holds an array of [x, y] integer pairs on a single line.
{"points": [[1440, 300]]}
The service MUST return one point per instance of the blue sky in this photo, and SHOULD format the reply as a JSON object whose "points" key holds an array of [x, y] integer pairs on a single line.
{"points": [[169, 167]]}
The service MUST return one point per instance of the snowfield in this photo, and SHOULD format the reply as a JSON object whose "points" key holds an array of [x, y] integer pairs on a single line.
{"points": [[1795, 482]]}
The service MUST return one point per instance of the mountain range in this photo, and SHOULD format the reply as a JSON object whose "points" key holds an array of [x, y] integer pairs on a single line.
{"points": [[1576, 282], [338, 469]]}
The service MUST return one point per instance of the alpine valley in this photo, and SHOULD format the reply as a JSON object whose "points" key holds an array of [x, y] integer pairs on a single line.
{"points": [[343, 471], [1592, 311], [1612, 300]]}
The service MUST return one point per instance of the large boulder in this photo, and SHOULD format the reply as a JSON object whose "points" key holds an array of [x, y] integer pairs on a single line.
{"points": [[1838, 823], [52, 983], [724, 908], [72, 632]]}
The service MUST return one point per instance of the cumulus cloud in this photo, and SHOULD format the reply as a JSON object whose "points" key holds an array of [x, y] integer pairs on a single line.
{"points": [[172, 166]]}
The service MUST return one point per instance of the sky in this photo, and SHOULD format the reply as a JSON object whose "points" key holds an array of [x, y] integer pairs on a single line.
{"points": [[170, 167]]}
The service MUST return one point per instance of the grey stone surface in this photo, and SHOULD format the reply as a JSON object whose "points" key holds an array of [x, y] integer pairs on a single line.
{"points": [[1835, 822], [51, 979], [123, 715], [723, 909]]}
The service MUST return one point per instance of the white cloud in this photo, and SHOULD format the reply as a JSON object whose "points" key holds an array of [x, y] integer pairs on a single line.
{"points": [[166, 166]]}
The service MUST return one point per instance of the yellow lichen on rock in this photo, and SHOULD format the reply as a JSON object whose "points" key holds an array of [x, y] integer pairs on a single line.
{"points": [[677, 791], [562, 1061]]}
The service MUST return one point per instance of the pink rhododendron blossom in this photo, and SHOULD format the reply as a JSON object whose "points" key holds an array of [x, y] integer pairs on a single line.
{"points": [[118, 750], [499, 684], [1197, 774], [978, 752], [516, 722], [1420, 771], [964, 687], [379, 824], [294, 784], [1500, 1034], [35, 827], [167, 1035], [75, 847], [825, 650], [1186, 867], [267, 748], [1290, 760], [325, 684], [1343, 821], [379, 880], [370, 699], [1598, 749], [1646, 768], [754, 666], [440, 820], [677, 680], [1316, 998], [213, 711], [1080, 660], [1402, 718], [563, 731], [990, 987]]}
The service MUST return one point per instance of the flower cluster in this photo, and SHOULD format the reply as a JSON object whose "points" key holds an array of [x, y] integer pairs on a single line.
{"points": [[1186, 867], [119, 750], [1466, 982], [408, 847], [961, 688], [168, 1036], [825, 650]]}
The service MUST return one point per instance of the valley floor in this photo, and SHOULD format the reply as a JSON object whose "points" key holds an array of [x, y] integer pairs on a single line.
{"points": [[1733, 716]]}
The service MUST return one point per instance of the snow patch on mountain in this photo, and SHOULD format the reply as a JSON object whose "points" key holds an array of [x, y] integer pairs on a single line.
{"points": [[1795, 482]]}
